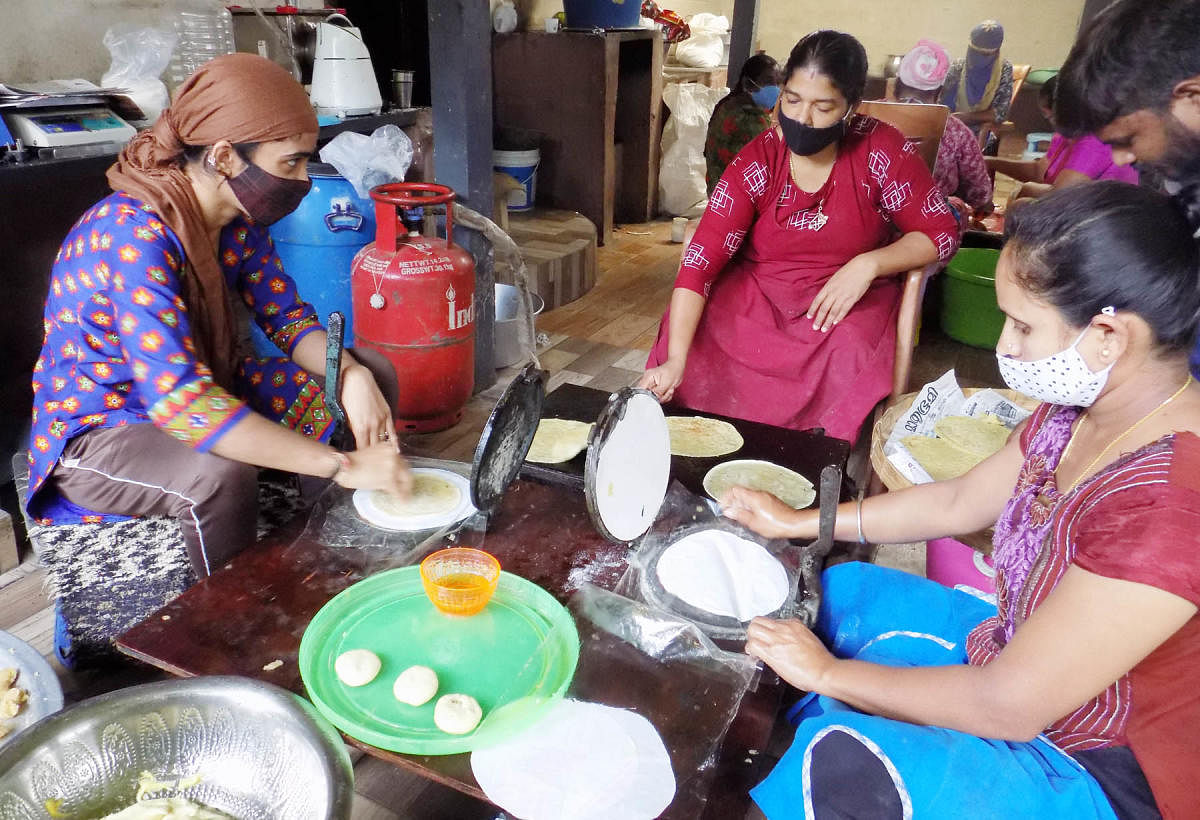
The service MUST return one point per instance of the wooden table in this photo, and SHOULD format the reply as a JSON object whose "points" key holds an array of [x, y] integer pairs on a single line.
{"points": [[255, 609]]}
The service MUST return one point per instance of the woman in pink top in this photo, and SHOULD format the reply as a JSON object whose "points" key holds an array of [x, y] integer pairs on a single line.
{"points": [[1085, 155], [1069, 160]]}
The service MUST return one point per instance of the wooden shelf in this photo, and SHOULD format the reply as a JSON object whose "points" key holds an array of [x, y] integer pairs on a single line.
{"points": [[712, 77], [586, 94]]}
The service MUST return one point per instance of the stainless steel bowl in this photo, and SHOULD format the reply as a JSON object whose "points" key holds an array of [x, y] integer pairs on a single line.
{"points": [[259, 752]]}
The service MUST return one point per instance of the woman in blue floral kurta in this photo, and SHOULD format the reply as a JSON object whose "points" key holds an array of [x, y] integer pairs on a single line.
{"points": [[142, 404]]}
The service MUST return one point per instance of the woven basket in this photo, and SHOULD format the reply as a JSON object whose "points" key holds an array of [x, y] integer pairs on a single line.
{"points": [[892, 478], [888, 474]]}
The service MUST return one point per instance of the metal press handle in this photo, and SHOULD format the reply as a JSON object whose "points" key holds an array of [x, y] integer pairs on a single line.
{"points": [[830, 491], [334, 341]]}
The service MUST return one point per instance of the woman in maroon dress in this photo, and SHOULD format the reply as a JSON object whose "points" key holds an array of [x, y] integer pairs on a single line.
{"points": [[784, 309]]}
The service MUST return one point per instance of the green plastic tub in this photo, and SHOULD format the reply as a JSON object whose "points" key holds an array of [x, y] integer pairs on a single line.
{"points": [[1038, 76], [969, 311]]}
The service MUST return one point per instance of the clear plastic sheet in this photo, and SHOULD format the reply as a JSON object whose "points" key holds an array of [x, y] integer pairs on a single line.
{"points": [[508, 254], [684, 684], [366, 161], [335, 523], [140, 54], [687, 687], [683, 513], [658, 633]]}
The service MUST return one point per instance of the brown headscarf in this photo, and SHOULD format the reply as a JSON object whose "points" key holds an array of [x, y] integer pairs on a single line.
{"points": [[237, 97]]}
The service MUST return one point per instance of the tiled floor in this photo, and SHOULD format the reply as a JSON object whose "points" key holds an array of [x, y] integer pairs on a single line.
{"points": [[600, 340]]}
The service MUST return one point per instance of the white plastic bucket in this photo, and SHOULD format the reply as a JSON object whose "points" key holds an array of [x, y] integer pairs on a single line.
{"points": [[508, 349], [521, 166]]}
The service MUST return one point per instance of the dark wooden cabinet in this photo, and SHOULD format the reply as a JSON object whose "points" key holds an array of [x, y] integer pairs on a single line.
{"points": [[40, 201], [595, 100]]}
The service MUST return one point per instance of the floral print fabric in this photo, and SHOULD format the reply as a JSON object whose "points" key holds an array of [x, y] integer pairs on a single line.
{"points": [[732, 126], [960, 169], [117, 348]]}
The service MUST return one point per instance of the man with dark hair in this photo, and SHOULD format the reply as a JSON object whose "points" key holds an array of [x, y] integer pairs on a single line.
{"points": [[1133, 79]]}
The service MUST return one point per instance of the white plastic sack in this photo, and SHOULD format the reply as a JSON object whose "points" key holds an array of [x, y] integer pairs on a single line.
{"points": [[139, 56], [681, 188], [365, 162], [706, 46]]}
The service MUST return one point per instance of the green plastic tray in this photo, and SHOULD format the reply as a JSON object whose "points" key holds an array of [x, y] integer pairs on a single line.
{"points": [[520, 653]]}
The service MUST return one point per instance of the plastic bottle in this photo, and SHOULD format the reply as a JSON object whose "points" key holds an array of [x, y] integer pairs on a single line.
{"points": [[205, 30]]}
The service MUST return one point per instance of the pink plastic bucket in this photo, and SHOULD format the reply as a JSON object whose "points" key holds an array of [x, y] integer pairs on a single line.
{"points": [[954, 564]]}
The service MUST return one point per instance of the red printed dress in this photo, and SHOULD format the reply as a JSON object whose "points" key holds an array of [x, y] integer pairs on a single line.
{"points": [[118, 348], [762, 252]]}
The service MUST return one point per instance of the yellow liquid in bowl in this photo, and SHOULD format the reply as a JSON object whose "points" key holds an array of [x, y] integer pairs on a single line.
{"points": [[463, 580]]}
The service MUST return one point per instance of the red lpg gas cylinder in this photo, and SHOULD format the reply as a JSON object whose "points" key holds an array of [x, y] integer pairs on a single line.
{"points": [[413, 300]]}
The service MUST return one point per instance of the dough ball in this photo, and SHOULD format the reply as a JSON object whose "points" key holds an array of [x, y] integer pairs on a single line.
{"points": [[416, 685], [357, 667], [457, 714]]}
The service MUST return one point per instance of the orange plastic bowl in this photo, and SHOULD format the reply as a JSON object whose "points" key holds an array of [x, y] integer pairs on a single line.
{"points": [[460, 580]]}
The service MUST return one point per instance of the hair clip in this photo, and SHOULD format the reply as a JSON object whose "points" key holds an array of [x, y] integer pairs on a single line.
{"points": [[1109, 310]]}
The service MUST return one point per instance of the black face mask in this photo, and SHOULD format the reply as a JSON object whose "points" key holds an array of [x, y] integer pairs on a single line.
{"points": [[807, 140], [266, 197]]}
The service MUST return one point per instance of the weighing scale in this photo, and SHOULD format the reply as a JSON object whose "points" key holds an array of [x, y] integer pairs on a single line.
{"points": [[68, 126]]}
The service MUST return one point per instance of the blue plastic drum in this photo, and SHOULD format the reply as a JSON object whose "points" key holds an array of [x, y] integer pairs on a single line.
{"points": [[317, 242]]}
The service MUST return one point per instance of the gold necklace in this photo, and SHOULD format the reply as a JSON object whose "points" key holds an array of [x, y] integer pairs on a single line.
{"points": [[815, 221], [1088, 469]]}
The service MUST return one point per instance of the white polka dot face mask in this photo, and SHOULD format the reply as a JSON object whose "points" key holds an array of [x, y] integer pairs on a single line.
{"points": [[1063, 378]]}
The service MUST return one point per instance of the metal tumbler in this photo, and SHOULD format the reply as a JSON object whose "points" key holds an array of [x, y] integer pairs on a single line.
{"points": [[402, 83]]}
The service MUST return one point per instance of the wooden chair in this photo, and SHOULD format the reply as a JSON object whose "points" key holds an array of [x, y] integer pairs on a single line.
{"points": [[922, 125], [1020, 72]]}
